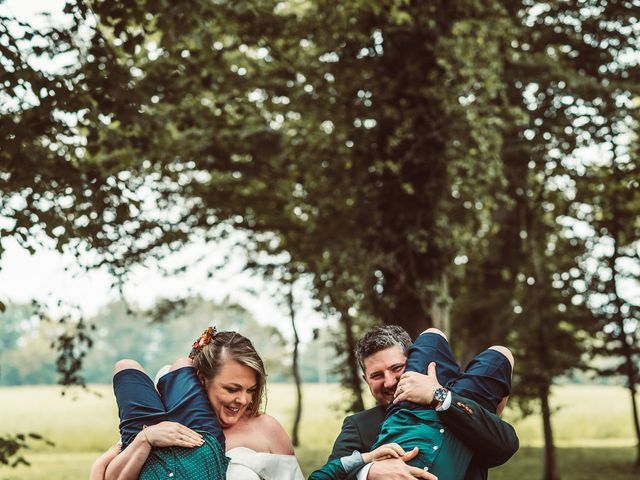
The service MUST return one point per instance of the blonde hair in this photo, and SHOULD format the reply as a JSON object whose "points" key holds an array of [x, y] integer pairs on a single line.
{"points": [[223, 346]]}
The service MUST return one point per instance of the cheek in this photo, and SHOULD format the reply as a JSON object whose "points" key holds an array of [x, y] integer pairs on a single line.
{"points": [[216, 400], [375, 386]]}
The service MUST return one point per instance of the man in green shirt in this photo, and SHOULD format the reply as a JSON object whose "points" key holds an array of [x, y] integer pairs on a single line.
{"points": [[458, 434]]}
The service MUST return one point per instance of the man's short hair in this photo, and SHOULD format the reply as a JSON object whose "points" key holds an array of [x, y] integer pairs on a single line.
{"points": [[381, 338]]}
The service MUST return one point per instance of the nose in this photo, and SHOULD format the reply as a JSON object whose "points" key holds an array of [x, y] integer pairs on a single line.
{"points": [[390, 380], [243, 398]]}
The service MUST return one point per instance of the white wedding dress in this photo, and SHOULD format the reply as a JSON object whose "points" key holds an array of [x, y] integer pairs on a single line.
{"points": [[247, 464]]}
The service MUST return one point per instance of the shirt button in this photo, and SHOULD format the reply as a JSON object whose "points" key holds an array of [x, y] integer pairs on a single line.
{"points": [[435, 447], [170, 474], [442, 430]]}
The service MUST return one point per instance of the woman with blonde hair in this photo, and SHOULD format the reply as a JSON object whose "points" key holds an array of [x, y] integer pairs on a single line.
{"points": [[205, 419]]}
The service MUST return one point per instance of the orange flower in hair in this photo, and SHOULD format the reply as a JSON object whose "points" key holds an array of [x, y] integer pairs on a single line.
{"points": [[202, 340]]}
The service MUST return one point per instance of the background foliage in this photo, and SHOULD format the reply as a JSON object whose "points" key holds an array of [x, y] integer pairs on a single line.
{"points": [[415, 160]]}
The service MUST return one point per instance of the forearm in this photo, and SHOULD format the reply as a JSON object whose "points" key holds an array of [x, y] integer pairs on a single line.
{"points": [[337, 469], [348, 441], [128, 465], [490, 438], [101, 463]]}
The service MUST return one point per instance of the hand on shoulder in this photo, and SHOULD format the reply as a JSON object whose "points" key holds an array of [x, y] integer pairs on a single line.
{"points": [[416, 387]]}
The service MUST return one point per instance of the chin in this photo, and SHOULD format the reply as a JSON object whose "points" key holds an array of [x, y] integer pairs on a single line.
{"points": [[228, 422]]}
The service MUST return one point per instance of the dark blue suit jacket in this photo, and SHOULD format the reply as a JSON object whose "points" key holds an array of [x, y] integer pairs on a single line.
{"points": [[492, 440]]}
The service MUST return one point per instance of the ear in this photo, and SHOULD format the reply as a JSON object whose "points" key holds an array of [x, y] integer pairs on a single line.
{"points": [[201, 378]]}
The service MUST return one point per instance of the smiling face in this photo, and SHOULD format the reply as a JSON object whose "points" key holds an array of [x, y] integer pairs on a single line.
{"points": [[382, 371], [231, 391]]}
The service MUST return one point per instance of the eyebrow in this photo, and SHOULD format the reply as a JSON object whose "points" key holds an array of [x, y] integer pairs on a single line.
{"points": [[255, 385]]}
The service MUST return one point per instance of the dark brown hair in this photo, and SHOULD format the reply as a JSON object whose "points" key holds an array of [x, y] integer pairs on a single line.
{"points": [[381, 338]]}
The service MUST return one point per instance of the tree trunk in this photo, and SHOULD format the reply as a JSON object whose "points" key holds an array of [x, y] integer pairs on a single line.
{"points": [[634, 408], [322, 357], [352, 379], [537, 317], [352, 362], [627, 344], [441, 307], [296, 370], [550, 466], [629, 366]]}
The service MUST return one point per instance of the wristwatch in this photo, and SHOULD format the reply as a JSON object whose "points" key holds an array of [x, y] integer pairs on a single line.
{"points": [[439, 396]]}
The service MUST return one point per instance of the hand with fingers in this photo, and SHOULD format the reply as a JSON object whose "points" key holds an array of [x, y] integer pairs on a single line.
{"points": [[171, 434], [417, 388], [396, 469], [101, 463], [389, 450]]}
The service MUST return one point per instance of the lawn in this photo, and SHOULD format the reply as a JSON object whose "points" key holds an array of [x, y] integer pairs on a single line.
{"points": [[593, 442]]}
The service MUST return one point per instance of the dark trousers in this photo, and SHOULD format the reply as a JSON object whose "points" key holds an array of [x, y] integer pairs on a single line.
{"points": [[487, 378]]}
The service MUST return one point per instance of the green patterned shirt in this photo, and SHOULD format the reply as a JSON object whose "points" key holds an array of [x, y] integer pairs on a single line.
{"points": [[207, 462], [442, 453]]}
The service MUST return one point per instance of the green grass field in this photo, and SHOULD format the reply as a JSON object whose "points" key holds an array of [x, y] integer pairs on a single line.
{"points": [[594, 440]]}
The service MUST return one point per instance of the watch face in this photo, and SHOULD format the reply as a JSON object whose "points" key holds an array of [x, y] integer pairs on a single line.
{"points": [[440, 394]]}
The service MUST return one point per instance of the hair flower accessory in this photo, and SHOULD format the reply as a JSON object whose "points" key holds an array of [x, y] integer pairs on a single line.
{"points": [[202, 340]]}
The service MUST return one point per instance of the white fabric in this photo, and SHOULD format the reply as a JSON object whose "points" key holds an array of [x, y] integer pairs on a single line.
{"points": [[364, 472], [247, 464], [162, 372], [446, 404]]}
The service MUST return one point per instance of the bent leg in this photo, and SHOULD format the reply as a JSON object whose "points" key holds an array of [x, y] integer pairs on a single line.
{"points": [[507, 353], [186, 401], [181, 363], [487, 379], [432, 346], [126, 364], [139, 403], [437, 331]]}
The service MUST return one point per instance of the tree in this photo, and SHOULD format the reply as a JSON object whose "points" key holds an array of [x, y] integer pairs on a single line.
{"points": [[609, 201], [567, 71], [45, 188], [362, 140], [346, 137], [295, 369], [24, 354]]}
